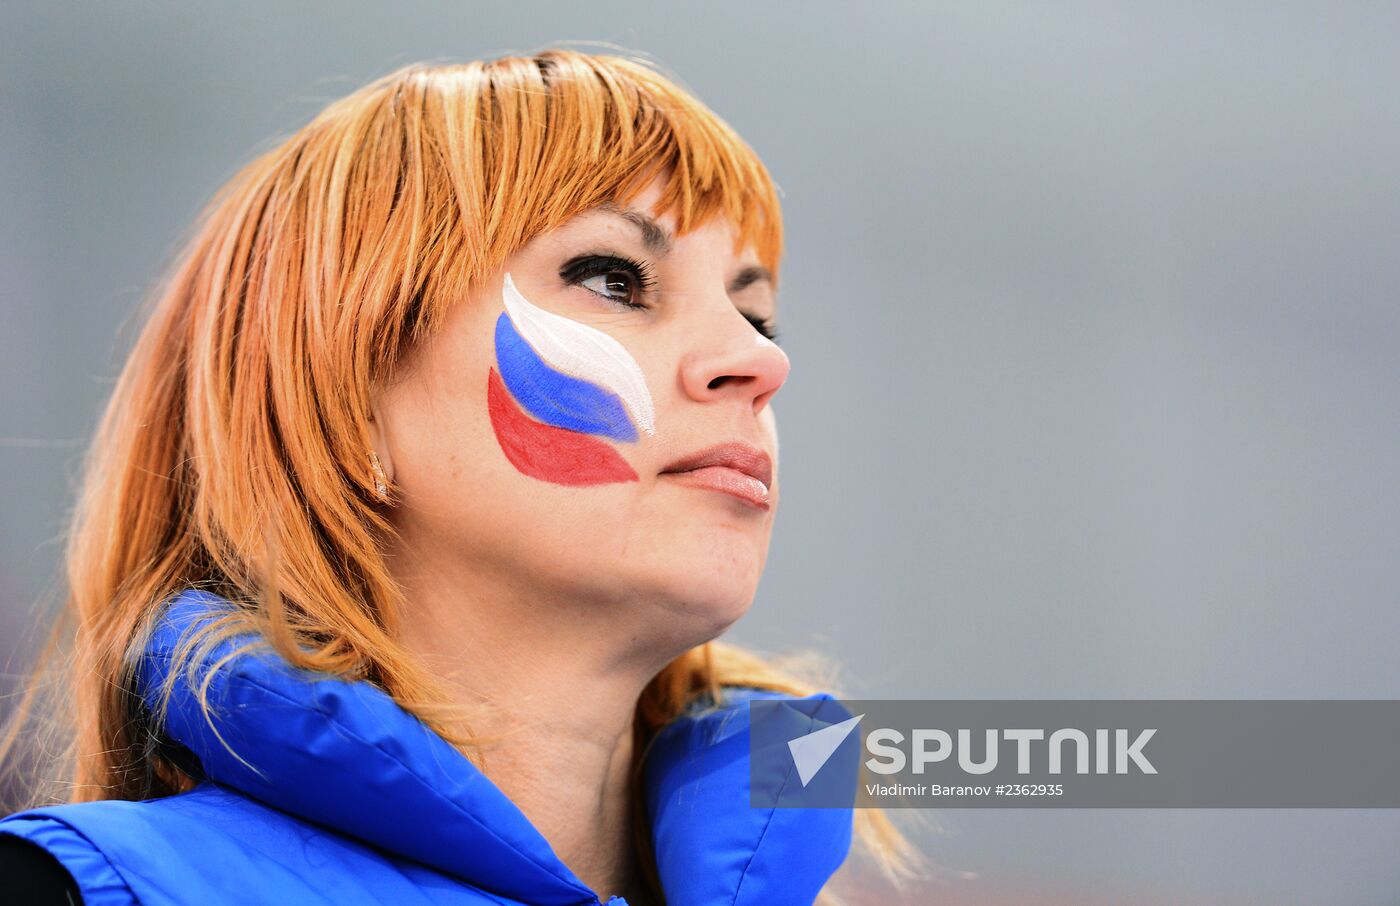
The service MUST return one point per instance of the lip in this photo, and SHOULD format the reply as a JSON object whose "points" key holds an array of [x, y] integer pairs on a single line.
{"points": [[737, 469]]}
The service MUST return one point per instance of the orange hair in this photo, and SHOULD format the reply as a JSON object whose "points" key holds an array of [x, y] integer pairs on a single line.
{"points": [[232, 454]]}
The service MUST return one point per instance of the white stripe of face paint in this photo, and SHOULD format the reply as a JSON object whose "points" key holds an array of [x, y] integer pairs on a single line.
{"points": [[584, 352]]}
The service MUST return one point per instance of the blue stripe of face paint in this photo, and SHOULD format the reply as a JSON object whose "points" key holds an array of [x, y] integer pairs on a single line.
{"points": [[554, 397]]}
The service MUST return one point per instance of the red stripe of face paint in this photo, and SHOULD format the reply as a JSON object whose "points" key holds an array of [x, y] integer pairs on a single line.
{"points": [[546, 452]]}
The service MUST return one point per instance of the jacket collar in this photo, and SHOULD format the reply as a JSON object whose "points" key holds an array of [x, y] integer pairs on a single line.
{"points": [[346, 755]]}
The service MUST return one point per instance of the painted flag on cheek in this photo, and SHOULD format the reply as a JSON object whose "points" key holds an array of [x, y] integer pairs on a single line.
{"points": [[575, 381], [551, 454]]}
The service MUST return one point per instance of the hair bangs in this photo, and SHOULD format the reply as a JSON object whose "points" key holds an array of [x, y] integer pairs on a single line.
{"points": [[562, 132]]}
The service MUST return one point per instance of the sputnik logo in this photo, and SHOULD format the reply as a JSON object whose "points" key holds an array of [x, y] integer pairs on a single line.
{"points": [[815, 749]]}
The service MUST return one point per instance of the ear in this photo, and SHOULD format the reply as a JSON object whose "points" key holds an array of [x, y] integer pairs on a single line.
{"points": [[379, 443]]}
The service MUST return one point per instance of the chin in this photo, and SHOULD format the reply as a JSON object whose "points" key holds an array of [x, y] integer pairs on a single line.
{"points": [[705, 599], [719, 576]]}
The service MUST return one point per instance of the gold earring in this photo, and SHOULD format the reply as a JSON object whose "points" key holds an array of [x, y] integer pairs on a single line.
{"points": [[381, 483]]}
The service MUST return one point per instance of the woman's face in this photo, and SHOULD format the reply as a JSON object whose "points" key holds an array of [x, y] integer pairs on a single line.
{"points": [[593, 425]]}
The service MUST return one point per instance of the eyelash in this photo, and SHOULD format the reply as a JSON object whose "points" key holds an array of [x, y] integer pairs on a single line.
{"points": [[589, 266]]}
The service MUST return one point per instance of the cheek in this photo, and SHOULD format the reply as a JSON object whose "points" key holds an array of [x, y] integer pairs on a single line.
{"points": [[768, 425]]}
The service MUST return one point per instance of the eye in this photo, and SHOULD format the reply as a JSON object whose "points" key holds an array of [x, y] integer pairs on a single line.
{"points": [[615, 285], [764, 326], [617, 279]]}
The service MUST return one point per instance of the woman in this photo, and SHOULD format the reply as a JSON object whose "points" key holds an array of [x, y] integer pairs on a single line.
{"points": [[443, 457]]}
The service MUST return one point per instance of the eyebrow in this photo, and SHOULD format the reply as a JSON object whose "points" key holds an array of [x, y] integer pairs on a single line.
{"points": [[749, 276], [654, 236], [659, 241]]}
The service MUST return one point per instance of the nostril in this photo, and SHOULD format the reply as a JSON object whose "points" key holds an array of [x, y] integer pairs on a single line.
{"points": [[723, 379]]}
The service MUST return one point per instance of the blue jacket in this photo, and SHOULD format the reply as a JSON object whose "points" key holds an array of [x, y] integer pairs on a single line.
{"points": [[346, 798]]}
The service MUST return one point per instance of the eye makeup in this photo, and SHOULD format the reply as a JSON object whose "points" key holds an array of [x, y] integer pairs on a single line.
{"points": [[589, 267], [764, 326], [580, 270]]}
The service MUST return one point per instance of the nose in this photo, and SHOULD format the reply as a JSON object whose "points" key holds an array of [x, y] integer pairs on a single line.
{"points": [[738, 363]]}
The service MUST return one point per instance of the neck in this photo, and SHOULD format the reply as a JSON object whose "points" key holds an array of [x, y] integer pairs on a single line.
{"points": [[556, 683]]}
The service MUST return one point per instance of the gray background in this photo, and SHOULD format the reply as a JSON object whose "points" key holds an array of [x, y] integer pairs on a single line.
{"points": [[1092, 310]]}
